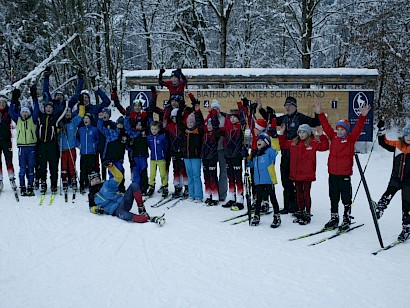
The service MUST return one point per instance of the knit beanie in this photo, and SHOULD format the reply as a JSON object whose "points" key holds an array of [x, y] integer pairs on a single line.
{"points": [[291, 100], [344, 124], [261, 124], [85, 92], [216, 105], [25, 109], [107, 110], [406, 130], [265, 138], [306, 128]]}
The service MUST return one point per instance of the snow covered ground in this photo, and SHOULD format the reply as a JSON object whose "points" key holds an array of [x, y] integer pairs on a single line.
{"points": [[63, 256]]}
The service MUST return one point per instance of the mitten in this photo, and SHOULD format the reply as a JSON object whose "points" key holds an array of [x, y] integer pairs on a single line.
{"points": [[161, 71], [47, 72], [15, 95], [245, 101], [271, 112], [107, 163], [80, 73], [33, 91]]}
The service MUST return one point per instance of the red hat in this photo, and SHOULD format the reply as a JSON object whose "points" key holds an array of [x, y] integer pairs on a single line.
{"points": [[345, 124], [261, 124]]}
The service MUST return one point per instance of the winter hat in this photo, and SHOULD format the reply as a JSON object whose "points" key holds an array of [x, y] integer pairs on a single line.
{"points": [[49, 103], [265, 138], [291, 100], [93, 175], [136, 102], [174, 112], [261, 124], [85, 92], [344, 124], [58, 92], [216, 105], [235, 113], [177, 98], [25, 109], [406, 130], [175, 73], [306, 128], [107, 110], [120, 120], [191, 118]]}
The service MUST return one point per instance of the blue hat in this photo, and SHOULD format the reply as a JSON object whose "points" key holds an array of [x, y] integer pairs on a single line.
{"points": [[107, 110], [343, 123], [85, 92], [406, 130], [265, 138]]}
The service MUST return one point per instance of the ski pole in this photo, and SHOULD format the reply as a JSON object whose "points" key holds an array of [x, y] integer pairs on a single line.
{"points": [[369, 198]]}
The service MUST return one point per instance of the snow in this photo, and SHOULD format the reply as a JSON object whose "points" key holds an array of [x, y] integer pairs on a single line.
{"points": [[64, 256]]}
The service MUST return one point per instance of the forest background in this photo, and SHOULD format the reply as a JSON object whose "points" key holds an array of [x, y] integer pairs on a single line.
{"points": [[109, 37]]}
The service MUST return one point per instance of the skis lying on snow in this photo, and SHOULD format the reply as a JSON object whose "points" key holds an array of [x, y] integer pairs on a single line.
{"points": [[177, 200], [313, 233], [162, 201], [338, 233], [234, 217], [247, 219], [395, 243]]}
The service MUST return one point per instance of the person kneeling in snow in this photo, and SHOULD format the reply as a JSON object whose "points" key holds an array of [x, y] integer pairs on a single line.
{"points": [[105, 198]]}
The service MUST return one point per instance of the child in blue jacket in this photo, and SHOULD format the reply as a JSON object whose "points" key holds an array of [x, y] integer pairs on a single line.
{"points": [[263, 164], [87, 138], [158, 145]]}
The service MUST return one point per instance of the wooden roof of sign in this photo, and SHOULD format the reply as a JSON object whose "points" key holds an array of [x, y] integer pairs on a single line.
{"points": [[260, 76]]}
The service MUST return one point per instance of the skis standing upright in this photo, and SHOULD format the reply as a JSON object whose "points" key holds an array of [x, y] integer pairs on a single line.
{"points": [[369, 198]]}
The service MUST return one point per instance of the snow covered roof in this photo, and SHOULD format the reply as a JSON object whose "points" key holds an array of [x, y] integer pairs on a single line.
{"points": [[323, 76]]}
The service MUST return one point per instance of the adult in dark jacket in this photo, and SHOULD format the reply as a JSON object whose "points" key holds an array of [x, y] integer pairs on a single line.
{"points": [[5, 142], [292, 119]]}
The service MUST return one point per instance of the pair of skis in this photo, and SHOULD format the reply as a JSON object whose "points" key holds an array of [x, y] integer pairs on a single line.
{"points": [[43, 197], [165, 200], [66, 196], [244, 219]]}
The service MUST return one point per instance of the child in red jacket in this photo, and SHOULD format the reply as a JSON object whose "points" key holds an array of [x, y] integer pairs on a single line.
{"points": [[303, 150], [340, 163]]}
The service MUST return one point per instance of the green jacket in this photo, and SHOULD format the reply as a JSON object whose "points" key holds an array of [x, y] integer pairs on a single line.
{"points": [[26, 132]]}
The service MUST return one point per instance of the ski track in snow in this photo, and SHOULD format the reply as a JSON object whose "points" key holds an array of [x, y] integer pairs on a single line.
{"points": [[63, 256]]}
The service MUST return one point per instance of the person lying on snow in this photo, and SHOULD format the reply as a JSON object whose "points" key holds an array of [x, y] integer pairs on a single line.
{"points": [[105, 198]]}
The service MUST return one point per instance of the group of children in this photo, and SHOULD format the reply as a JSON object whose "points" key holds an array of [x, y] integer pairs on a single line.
{"points": [[188, 139]]}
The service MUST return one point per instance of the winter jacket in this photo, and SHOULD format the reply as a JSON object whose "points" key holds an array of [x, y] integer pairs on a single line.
{"points": [[26, 128], [210, 144], [138, 139], [94, 110], [5, 122], [234, 140], [341, 152], [87, 139], [193, 138], [303, 158], [116, 140], [158, 146], [174, 89], [263, 164], [103, 139], [108, 197], [401, 162], [67, 134], [176, 132]]}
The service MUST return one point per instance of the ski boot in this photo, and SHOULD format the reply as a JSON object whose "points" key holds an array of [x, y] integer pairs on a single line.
{"points": [[23, 191], [1, 185], [65, 186], [347, 221], [30, 191], [164, 190], [237, 207], [36, 184], [185, 194], [304, 218], [333, 223], [276, 221], [177, 193], [13, 183], [74, 186], [43, 187], [150, 191], [405, 233], [53, 189], [159, 220], [142, 210], [207, 201], [255, 220], [265, 206], [213, 203], [379, 209], [229, 204], [298, 216], [284, 211]]}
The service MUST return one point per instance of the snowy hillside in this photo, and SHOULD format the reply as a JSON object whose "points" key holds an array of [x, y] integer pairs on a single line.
{"points": [[63, 256]]}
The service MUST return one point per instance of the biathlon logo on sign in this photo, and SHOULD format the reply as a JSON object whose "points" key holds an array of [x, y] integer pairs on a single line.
{"points": [[359, 100]]}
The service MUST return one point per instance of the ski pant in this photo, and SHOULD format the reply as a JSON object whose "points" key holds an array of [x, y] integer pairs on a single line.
{"points": [[162, 172], [68, 159], [223, 175], [394, 186], [120, 166], [6, 149], [48, 155], [140, 172], [339, 187], [211, 178], [303, 195], [27, 163], [289, 191], [123, 210], [87, 165], [263, 191], [193, 169], [235, 179], [180, 176]]}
